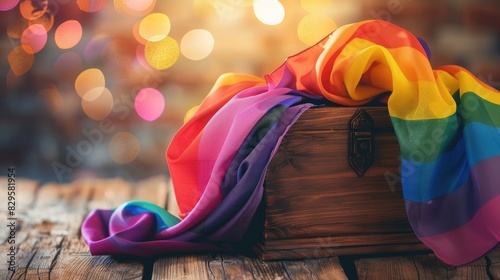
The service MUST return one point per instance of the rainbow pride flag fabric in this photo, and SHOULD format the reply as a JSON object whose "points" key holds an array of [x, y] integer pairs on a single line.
{"points": [[447, 122]]}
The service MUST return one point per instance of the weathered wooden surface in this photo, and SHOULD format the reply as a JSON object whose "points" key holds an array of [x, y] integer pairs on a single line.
{"points": [[426, 267], [48, 240], [49, 244]]}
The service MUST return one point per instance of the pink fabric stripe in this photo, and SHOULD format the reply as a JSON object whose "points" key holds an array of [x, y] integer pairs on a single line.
{"points": [[480, 236], [222, 144]]}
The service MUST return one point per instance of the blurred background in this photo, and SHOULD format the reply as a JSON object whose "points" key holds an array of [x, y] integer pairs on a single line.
{"points": [[99, 87]]}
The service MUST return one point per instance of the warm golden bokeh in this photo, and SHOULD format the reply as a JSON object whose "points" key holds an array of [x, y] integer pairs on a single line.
{"points": [[270, 12], [154, 27], [99, 108], [316, 6], [68, 34], [162, 54], [124, 147], [197, 44], [20, 61], [314, 27], [91, 6], [90, 84], [51, 97], [16, 28], [30, 12], [140, 6], [143, 66], [127, 7]]}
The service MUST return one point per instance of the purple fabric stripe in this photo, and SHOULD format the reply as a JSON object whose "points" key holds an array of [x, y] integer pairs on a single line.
{"points": [[229, 221], [451, 211], [257, 161], [470, 241]]}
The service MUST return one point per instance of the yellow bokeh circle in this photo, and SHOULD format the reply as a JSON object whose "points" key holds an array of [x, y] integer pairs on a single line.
{"points": [[163, 54], [314, 27], [154, 27], [90, 84], [197, 44], [315, 6]]}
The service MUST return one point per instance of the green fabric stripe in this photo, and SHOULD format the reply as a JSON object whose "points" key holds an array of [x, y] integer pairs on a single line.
{"points": [[476, 109], [425, 140]]}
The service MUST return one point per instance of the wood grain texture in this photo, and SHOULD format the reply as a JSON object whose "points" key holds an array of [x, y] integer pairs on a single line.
{"points": [[313, 195], [240, 267], [48, 239], [96, 267], [183, 267], [337, 118], [317, 268], [232, 266], [419, 267], [49, 245]]}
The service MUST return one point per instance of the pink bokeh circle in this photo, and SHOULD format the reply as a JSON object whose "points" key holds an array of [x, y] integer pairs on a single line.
{"points": [[149, 104]]}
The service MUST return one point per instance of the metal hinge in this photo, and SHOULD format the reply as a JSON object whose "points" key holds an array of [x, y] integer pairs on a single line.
{"points": [[361, 142]]}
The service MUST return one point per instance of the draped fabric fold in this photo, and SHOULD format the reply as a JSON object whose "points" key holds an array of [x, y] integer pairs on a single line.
{"points": [[447, 122]]}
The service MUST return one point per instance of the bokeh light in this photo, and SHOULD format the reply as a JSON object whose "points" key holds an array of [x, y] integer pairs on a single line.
{"points": [[34, 38], [91, 6], [16, 28], [12, 81], [99, 108], [68, 66], [149, 104], [20, 61], [189, 114], [140, 5], [270, 12], [124, 147], [314, 27], [90, 84], [51, 97], [6, 5], [68, 34], [197, 44], [47, 21], [29, 12], [94, 48], [137, 36], [133, 7], [315, 6], [202, 8], [154, 27], [140, 58], [163, 54]]}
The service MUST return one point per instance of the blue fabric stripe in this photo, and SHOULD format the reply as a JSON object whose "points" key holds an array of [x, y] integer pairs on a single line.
{"points": [[424, 181], [482, 141]]}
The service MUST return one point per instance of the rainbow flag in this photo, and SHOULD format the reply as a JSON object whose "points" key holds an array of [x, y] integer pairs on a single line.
{"points": [[447, 122]]}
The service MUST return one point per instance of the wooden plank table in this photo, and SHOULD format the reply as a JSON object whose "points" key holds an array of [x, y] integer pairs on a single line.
{"points": [[48, 244]]}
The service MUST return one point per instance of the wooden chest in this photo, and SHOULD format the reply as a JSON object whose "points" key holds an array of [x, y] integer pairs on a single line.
{"points": [[333, 188]]}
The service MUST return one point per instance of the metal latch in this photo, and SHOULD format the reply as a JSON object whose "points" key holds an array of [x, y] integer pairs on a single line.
{"points": [[361, 142]]}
